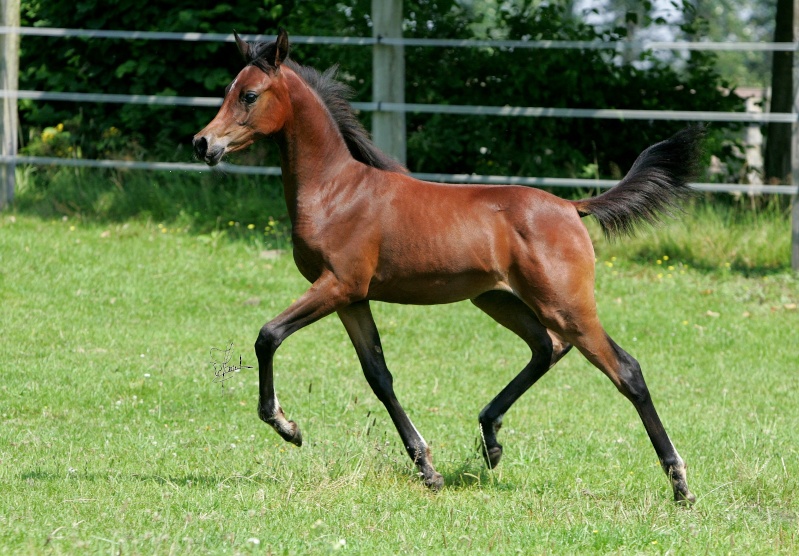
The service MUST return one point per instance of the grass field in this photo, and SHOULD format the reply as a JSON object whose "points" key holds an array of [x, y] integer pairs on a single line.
{"points": [[116, 439]]}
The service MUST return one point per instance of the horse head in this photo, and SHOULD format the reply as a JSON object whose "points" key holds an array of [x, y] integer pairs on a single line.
{"points": [[256, 102]]}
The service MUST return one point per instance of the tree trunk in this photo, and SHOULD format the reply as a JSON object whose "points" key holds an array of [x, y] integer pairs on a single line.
{"points": [[777, 165]]}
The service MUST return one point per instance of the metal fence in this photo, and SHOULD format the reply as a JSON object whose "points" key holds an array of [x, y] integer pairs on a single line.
{"points": [[9, 157]]}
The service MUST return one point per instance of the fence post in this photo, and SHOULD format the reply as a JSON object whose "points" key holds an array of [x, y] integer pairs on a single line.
{"points": [[795, 144], [388, 78], [9, 72]]}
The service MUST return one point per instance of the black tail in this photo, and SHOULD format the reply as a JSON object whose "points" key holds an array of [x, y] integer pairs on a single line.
{"points": [[656, 185]]}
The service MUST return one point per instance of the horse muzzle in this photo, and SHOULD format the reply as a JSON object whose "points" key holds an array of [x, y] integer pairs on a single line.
{"points": [[210, 154]]}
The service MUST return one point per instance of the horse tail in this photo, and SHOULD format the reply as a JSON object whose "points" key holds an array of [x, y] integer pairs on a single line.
{"points": [[656, 185]]}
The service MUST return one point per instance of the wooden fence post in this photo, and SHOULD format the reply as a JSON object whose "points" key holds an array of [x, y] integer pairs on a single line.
{"points": [[388, 78], [795, 145], [9, 80]]}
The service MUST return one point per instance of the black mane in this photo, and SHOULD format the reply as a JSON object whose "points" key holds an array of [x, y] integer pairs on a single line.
{"points": [[335, 95]]}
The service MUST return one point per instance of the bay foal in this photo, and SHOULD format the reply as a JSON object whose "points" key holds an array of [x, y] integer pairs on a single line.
{"points": [[363, 229]]}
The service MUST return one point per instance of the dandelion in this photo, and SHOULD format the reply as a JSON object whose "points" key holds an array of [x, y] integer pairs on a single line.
{"points": [[665, 257], [671, 267], [250, 226], [230, 223], [659, 261], [608, 264]]}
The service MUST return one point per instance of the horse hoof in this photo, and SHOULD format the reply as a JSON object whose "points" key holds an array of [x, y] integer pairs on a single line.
{"points": [[297, 438], [492, 455], [435, 482], [686, 498], [288, 430]]}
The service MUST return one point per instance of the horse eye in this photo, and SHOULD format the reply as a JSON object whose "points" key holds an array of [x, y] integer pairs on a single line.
{"points": [[249, 98]]}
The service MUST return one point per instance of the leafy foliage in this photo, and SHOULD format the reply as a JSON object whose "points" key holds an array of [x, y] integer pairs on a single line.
{"points": [[132, 67], [436, 143]]}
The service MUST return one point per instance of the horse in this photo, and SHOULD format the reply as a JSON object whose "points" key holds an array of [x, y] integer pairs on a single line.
{"points": [[364, 230]]}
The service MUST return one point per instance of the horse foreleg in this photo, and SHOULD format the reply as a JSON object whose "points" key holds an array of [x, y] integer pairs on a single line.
{"points": [[547, 350], [325, 296], [360, 326]]}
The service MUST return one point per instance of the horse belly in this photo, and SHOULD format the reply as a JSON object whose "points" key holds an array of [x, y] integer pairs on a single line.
{"points": [[439, 268], [434, 289]]}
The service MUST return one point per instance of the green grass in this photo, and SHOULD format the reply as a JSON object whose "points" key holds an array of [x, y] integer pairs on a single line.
{"points": [[115, 439], [214, 203]]}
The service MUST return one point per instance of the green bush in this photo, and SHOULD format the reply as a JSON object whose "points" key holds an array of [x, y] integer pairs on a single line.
{"points": [[436, 143]]}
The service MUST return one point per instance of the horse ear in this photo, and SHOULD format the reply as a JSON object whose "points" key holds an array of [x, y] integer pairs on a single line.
{"points": [[243, 46], [281, 47]]}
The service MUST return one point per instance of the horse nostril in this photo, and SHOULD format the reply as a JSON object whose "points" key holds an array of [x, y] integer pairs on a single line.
{"points": [[200, 147]]}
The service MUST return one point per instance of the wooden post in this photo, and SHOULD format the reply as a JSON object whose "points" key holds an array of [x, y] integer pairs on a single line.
{"points": [[388, 78], [9, 80], [795, 145]]}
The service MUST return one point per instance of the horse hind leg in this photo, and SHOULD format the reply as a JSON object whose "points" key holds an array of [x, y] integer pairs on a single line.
{"points": [[624, 371], [547, 347], [629, 380]]}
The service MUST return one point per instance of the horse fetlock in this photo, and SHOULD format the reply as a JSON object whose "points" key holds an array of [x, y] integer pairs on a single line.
{"points": [[487, 442], [423, 459]]}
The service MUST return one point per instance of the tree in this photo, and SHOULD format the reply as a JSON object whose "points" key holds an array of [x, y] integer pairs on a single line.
{"points": [[777, 164]]}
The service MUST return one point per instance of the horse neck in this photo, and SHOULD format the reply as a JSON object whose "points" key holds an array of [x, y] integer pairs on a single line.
{"points": [[312, 150]]}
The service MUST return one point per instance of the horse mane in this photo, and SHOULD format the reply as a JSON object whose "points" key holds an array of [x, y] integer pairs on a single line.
{"points": [[335, 95]]}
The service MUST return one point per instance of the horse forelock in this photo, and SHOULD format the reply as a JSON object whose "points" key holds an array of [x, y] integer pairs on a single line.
{"points": [[262, 55]]}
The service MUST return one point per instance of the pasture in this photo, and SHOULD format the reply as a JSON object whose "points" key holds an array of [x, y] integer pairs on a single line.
{"points": [[116, 439]]}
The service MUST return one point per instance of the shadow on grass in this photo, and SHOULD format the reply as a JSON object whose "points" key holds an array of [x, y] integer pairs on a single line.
{"points": [[189, 479], [645, 254], [473, 473]]}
